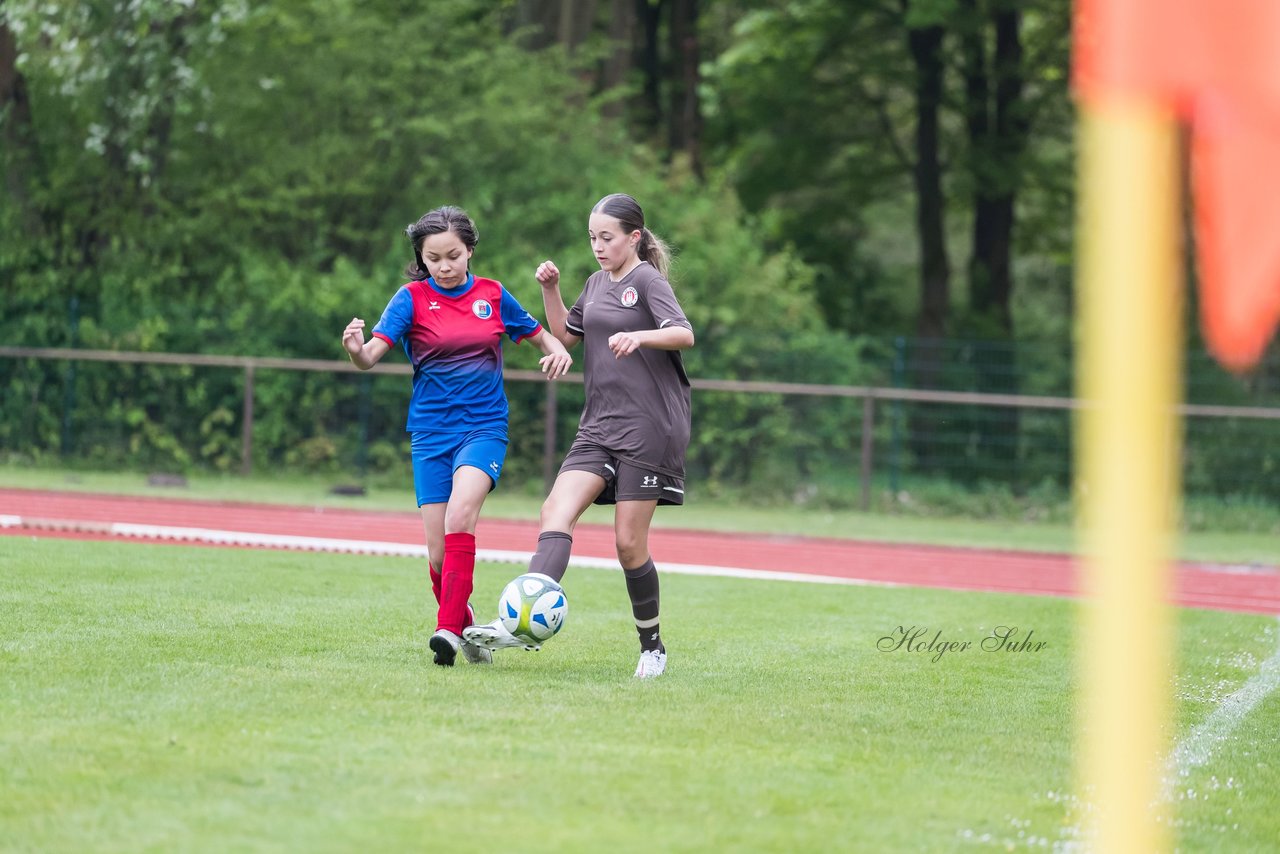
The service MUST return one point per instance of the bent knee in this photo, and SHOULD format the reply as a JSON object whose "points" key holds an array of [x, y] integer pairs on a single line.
{"points": [[557, 515], [462, 521], [632, 551]]}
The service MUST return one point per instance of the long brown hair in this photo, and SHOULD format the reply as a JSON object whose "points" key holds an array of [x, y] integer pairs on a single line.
{"points": [[627, 212]]}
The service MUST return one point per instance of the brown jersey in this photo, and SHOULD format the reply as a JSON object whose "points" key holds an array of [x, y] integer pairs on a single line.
{"points": [[637, 406]]}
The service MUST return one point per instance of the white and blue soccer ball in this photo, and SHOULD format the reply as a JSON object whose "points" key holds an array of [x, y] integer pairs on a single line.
{"points": [[533, 607]]}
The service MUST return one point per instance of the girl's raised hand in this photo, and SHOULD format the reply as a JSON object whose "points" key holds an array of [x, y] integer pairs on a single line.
{"points": [[548, 276], [353, 336]]}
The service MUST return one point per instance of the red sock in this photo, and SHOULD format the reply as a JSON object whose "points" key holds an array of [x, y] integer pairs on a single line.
{"points": [[458, 574], [435, 582]]}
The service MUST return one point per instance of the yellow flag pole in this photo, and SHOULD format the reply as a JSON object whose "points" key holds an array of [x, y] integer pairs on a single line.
{"points": [[1130, 288]]}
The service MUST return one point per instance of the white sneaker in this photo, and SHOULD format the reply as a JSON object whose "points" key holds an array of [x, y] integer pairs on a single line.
{"points": [[494, 636], [445, 645], [476, 654], [472, 653], [652, 664]]}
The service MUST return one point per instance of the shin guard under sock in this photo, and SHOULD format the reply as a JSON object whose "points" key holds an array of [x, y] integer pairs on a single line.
{"points": [[435, 582], [642, 587], [552, 557], [458, 575]]}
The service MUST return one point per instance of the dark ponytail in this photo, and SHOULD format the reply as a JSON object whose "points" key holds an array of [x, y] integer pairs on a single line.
{"points": [[438, 221], [653, 249], [627, 212]]}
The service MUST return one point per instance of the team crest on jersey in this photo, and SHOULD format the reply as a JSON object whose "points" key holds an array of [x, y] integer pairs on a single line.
{"points": [[630, 297], [481, 309]]}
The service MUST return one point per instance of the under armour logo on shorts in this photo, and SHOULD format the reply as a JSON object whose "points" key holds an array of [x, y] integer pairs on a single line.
{"points": [[649, 480]]}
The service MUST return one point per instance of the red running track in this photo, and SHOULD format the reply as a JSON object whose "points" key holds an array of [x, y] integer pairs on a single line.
{"points": [[1254, 589]]}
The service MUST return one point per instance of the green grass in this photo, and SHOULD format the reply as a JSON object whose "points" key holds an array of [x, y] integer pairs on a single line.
{"points": [[1211, 802], [159, 698], [521, 501]]}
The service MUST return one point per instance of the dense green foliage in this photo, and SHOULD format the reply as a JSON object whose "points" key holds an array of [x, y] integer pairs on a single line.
{"points": [[233, 177], [297, 146]]}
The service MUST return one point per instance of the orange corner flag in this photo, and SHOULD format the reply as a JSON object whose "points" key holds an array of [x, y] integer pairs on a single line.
{"points": [[1216, 65]]}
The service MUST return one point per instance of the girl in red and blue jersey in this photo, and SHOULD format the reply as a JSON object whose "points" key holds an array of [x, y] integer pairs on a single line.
{"points": [[451, 323]]}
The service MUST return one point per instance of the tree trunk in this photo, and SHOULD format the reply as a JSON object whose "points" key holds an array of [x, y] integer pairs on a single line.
{"points": [[547, 22], [926, 358], [160, 129], [649, 14], [577, 18], [684, 119], [537, 21], [935, 268], [998, 137], [618, 64], [16, 130], [998, 132]]}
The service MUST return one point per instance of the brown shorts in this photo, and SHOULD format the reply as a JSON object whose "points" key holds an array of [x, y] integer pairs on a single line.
{"points": [[624, 480]]}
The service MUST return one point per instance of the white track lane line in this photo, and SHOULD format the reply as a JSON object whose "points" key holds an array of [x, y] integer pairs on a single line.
{"points": [[327, 544]]}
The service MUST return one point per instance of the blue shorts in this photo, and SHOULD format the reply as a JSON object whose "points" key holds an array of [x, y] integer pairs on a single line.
{"points": [[437, 456]]}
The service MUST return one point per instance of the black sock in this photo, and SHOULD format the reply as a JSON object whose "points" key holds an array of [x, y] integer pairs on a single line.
{"points": [[642, 587], [552, 557]]}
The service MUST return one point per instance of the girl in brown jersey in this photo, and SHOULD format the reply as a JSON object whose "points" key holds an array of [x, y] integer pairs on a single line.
{"points": [[631, 441]]}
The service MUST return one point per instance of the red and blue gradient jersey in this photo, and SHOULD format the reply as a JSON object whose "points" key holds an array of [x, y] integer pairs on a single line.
{"points": [[454, 340]]}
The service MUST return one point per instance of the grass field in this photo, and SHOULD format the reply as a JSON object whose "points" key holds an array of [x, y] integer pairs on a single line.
{"points": [[1260, 546], [160, 698]]}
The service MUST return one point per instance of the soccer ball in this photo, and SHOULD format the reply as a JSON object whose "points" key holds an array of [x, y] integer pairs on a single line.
{"points": [[533, 607]]}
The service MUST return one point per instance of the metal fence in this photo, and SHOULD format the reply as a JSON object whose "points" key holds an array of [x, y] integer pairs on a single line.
{"points": [[867, 434]]}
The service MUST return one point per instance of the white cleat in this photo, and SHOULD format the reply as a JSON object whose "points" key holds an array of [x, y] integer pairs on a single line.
{"points": [[472, 653], [494, 636], [475, 654], [653, 663], [444, 644]]}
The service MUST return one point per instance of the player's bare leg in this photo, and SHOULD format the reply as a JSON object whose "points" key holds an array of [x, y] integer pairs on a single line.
{"points": [[570, 496]]}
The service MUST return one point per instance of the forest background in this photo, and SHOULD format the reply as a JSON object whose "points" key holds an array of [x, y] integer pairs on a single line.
{"points": [[866, 193]]}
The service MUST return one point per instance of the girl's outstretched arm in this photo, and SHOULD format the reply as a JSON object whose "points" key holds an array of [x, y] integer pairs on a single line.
{"points": [[556, 361], [364, 354]]}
